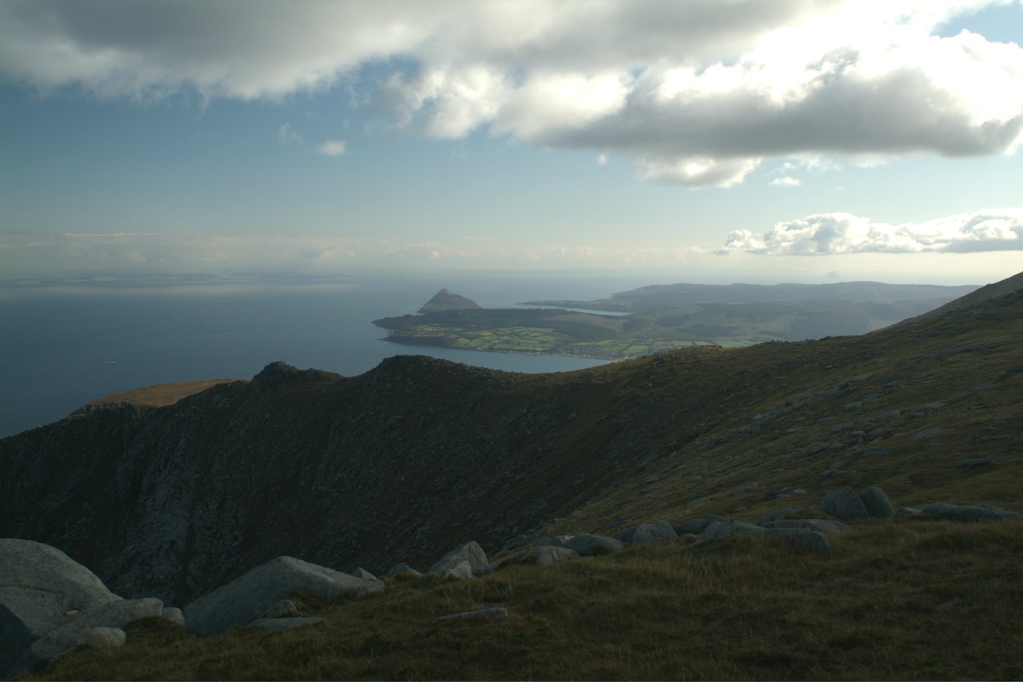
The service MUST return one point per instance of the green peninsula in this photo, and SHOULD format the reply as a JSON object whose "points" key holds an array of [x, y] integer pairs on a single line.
{"points": [[654, 319]]}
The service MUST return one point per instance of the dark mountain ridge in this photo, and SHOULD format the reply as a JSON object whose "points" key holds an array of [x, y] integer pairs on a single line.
{"points": [[419, 455]]}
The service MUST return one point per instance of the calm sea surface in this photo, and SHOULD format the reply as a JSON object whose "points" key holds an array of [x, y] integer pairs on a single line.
{"points": [[61, 347]]}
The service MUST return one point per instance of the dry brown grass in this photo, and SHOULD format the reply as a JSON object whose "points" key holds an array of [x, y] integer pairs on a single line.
{"points": [[159, 395]]}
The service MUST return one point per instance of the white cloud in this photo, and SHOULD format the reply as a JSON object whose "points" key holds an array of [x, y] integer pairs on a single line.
{"points": [[59, 256], [333, 148], [698, 92], [786, 181], [845, 233]]}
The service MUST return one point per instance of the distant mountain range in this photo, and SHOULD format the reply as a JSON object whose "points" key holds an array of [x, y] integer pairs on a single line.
{"points": [[660, 296]]}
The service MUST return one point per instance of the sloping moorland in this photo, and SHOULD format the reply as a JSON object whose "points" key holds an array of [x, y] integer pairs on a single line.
{"points": [[418, 456]]}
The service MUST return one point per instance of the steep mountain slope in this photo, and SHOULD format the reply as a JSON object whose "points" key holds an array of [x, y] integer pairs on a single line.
{"points": [[419, 455], [446, 300], [1005, 287]]}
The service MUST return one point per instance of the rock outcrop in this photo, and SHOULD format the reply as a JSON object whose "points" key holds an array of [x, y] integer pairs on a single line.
{"points": [[845, 505], [41, 589], [587, 544], [50, 604], [801, 537], [401, 568], [470, 554], [116, 614], [969, 513], [653, 533], [547, 555], [877, 504], [248, 597]]}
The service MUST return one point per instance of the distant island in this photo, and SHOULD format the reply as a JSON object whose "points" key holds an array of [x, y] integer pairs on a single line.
{"points": [[658, 318]]}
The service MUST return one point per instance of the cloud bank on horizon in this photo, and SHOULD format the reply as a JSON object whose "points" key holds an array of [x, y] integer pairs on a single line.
{"points": [[698, 93], [844, 233], [833, 234]]}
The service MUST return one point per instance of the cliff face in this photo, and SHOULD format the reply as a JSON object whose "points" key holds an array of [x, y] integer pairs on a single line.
{"points": [[396, 464], [419, 455]]}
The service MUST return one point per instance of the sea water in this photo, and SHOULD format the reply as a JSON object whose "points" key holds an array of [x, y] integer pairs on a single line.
{"points": [[63, 346]]}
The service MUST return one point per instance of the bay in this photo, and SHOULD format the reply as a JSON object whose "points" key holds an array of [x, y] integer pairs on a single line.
{"points": [[62, 346]]}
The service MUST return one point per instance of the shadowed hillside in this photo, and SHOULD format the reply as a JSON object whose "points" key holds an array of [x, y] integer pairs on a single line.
{"points": [[419, 454]]}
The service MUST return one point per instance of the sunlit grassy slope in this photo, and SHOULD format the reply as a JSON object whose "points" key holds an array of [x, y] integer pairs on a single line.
{"points": [[158, 395]]}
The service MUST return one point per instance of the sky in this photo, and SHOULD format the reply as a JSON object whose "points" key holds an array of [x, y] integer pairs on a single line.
{"points": [[784, 140]]}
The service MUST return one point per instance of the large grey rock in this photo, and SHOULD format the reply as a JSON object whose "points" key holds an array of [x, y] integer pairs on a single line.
{"points": [[115, 614], [364, 574], [556, 540], [625, 535], [845, 505], [284, 608], [802, 537], [653, 533], [877, 504], [470, 552], [967, 513], [695, 526], [41, 589], [173, 614], [462, 571], [106, 637], [549, 554], [776, 515], [690, 527], [819, 525], [721, 529], [248, 597], [587, 544], [401, 568]]}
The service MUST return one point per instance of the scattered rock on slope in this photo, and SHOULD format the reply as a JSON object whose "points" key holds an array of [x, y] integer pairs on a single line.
{"points": [[470, 553], [877, 504], [249, 596], [845, 505], [49, 604], [653, 533], [587, 544], [115, 614], [801, 537], [967, 513]]}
